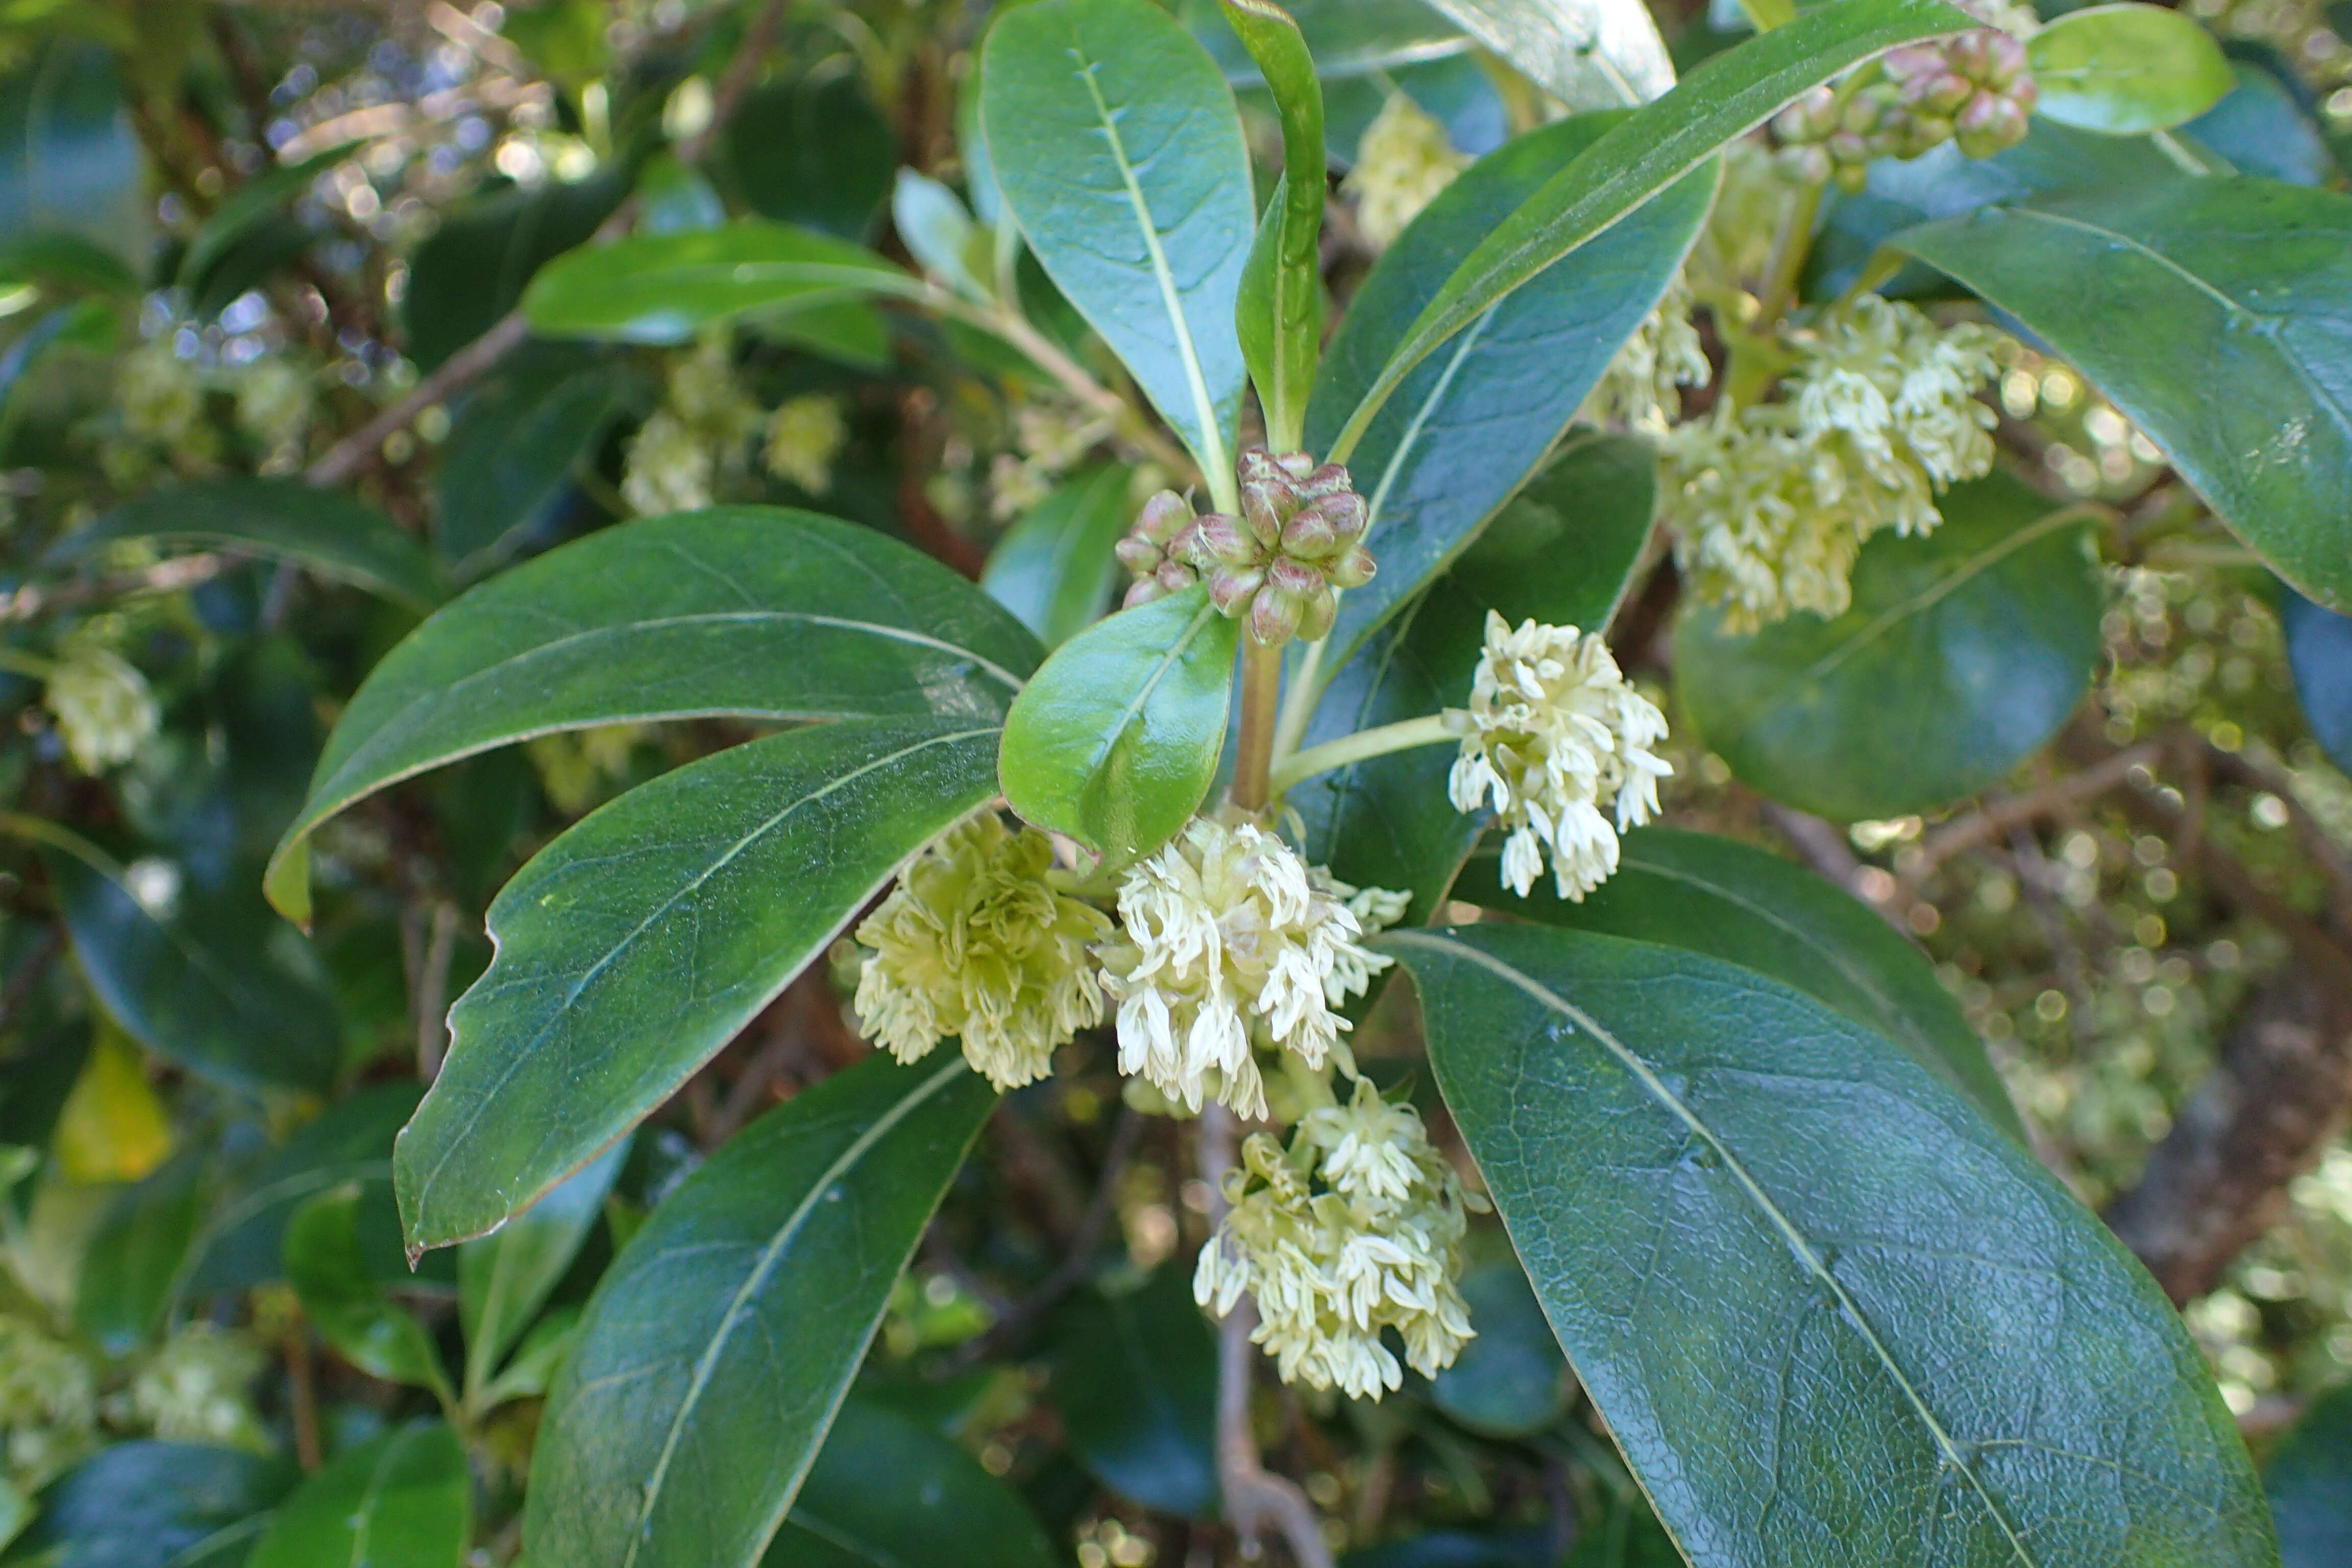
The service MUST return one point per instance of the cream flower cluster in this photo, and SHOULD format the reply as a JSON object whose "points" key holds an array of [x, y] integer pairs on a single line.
{"points": [[705, 420], [48, 1402], [196, 1388], [1555, 737], [1641, 388], [1230, 941], [1403, 160], [102, 705], [1771, 502], [1356, 1228], [804, 436], [974, 942]]}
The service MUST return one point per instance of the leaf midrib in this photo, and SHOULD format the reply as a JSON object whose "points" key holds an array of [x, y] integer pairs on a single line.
{"points": [[515, 1063], [1849, 1311], [839, 1166], [441, 694]]}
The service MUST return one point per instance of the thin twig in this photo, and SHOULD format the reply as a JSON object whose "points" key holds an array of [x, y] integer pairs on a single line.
{"points": [[1254, 1499], [163, 577], [736, 80], [302, 1398], [460, 370], [1997, 818]]}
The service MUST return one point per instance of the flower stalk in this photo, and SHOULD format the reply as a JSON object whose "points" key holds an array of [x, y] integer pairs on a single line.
{"points": [[1364, 744]]}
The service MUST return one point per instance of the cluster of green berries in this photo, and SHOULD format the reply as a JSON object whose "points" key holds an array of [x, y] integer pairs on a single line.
{"points": [[1973, 89], [1274, 568]]}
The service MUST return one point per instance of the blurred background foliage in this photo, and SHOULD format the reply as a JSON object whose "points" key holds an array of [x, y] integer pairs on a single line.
{"points": [[231, 236]]}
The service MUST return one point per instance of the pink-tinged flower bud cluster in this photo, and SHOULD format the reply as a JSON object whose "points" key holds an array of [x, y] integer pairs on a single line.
{"points": [[1973, 89], [1275, 567]]}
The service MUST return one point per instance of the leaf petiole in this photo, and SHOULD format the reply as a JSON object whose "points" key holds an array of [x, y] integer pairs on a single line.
{"points": [[1361, 746]]}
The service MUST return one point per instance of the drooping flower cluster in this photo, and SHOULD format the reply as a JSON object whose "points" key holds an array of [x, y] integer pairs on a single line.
{"points": [[804, 436], [274, 405], [1051, 432], [1227, 943], [1641, 388], [703, 424], [1772, 501], [1403, 162], [975, 942], [102, 705], [577, 768], [197, 1388], [1355, 1228], [1277, 567], [1973, 89], [1556, 738]]}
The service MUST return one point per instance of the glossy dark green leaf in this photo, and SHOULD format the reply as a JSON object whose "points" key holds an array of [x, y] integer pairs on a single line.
{"points": [[514, 443], [1645, 153], [403, 1499], [2319, 652], [1280, 309], [69, 161], [721, 1342], [1828, 1311], [505, 1278], [2125, 69], [206, 977], [155, 1505], [244, 1239], [1748, 906], [477, 264], [1115, 739], [1510, 1381], [1944, 182], [1135, 1381], [1119, 150], [2247, 286], [752, 612], [1464, 428], [1989, 626], [139, 1247], [325, 531], [1589, 54], [2261, 129], [813, 151], [938, 1509], [328, 1270], [635, 946], [2309, 1479], [1054, 569], [1561, 551], [665, 287]]}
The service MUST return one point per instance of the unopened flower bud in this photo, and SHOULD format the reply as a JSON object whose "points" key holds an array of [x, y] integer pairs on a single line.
{"points": [[1294, 577], [1353, 569], [1274, 617], [1162, 517], [1322, 608], [1329, 480], [1230, 588], [1309, 536], [1174, 577], [1218, 536], [1137, 554]]}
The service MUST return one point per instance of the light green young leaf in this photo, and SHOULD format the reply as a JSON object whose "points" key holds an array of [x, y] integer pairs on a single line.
{"points": [[329, 1276], [1826, 1310], [665, 287], [1115, 739], [1649, 150], [1119, 150], [748, 612], [635, 946], [2127, 69], [1280, 313], [932, 221], [1989, 626], [2241, 295], [716, 1350], [401, 1499]]}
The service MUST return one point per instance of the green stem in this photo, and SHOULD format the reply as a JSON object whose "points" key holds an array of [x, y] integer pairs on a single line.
{"points": [[1254, 753], [41, 831], [18, 661], [1298, 703], [1364, 744]]}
